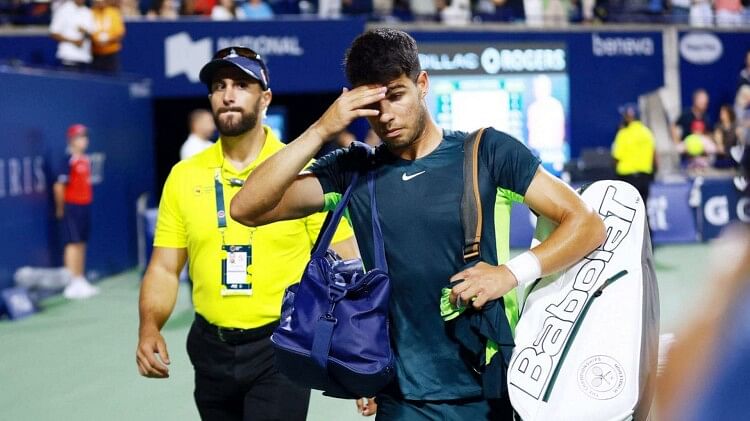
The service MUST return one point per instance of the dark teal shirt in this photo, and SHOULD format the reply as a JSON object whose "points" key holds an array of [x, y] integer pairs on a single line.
{"points": [[419, 210]]}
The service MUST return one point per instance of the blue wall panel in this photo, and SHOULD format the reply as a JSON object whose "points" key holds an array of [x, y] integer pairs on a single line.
{"points": [[35, 113], [712, 61]]}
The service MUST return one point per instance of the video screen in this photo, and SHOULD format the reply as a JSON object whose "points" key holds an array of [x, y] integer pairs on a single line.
{"points": [[522, 90]]}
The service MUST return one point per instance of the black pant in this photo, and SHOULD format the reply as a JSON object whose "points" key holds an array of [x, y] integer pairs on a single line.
{"points": [[106, 63], [241, 382], [641, 182]]}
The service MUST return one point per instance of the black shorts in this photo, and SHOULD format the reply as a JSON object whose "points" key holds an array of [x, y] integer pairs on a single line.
{"points": [[75, 224]]}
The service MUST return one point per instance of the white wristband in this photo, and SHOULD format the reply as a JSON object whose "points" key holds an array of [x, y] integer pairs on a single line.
{"points": [[525, 267]]}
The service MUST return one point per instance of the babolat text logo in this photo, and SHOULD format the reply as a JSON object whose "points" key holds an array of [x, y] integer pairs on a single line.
{"points": [[533, 367]]}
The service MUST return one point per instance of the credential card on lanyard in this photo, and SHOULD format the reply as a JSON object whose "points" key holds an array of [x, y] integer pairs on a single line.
{"points": [[235, 279]]}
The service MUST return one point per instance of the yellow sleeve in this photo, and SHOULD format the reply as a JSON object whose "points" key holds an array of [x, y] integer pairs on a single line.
{"points": [[617, 147], [170, 226]]}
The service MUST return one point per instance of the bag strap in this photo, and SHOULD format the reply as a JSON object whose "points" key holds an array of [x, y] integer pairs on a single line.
{"points": [[377, 233], [471, 205], [333, 218], [332, 221]]}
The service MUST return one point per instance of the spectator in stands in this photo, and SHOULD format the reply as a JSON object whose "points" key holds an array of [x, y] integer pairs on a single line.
{"points": [[454, 12], [130, 9], [237, 308], [202, 129], [226, 10], [500, 10], [698, 148], [423, 10], [728, 13], [701, 13], [204, 7], [256, 10], [726, 135], [546, 12], [72, 26], [697, 112], [357, 7], [73, 196], [329, 9], [163, 9], [383, 9], [680, 11], [107, 38], [634, 151]]}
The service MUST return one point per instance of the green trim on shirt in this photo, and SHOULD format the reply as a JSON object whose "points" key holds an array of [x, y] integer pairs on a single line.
{"points": [[331, 200], [503, 203]]}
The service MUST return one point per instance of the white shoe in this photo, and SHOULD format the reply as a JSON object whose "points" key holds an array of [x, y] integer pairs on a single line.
{"points": [[80, 289]]}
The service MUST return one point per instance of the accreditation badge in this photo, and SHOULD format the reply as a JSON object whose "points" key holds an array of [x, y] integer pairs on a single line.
{"points": [[235, 270]]}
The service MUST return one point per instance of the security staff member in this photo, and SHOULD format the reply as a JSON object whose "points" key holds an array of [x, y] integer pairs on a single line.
{"points": [[239, 274], [633, 151]]}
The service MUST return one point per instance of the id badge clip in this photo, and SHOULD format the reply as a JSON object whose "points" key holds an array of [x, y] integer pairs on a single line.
{"points": [[235, 271]]}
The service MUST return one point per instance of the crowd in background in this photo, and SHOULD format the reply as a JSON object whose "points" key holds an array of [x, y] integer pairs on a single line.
{"points": [[722, 13], [705, 141]]}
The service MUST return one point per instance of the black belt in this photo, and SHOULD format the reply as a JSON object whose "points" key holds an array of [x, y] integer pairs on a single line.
{"points": [[232, 335]]}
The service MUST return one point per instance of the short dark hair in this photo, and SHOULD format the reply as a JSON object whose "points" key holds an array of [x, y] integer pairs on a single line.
{"points": [[380, 56]]}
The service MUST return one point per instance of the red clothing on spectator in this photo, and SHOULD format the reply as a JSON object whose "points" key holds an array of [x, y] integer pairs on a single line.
{"points": [[78, 181]]}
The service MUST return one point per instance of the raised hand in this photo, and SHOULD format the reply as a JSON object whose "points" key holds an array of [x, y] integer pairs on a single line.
{"points": [[350, 105]]}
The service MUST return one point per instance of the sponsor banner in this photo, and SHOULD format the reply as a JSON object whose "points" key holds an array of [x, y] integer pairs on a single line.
{"points": [[302, 55], [670, 216], [721, 204], [491, 59]]}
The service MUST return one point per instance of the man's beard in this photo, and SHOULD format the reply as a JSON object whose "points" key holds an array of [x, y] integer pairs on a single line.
{"points": [[230, 128]]}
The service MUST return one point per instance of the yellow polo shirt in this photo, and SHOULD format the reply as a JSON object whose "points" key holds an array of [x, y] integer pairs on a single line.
{"points": [[187, 219], [633, 149]]}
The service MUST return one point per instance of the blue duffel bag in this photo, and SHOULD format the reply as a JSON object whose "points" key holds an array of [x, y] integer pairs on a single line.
{"points": [[333, 334]]}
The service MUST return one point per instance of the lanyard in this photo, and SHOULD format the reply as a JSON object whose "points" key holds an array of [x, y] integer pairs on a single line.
{"points": [[221, 214], [220, 211]]}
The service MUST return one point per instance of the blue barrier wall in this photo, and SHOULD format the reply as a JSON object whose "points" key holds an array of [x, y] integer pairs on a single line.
{"points": [[36, 110]]}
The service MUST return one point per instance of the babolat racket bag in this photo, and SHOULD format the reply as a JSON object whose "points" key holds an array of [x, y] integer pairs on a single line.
{"points": [[334, 333], [587, 340]]}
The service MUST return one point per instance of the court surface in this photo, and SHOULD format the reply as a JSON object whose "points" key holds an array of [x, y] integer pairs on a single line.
{"points": [[75, 360]]}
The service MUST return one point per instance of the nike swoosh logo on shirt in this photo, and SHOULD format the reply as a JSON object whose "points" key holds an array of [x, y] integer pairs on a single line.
{"points": [[409, 177]]}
